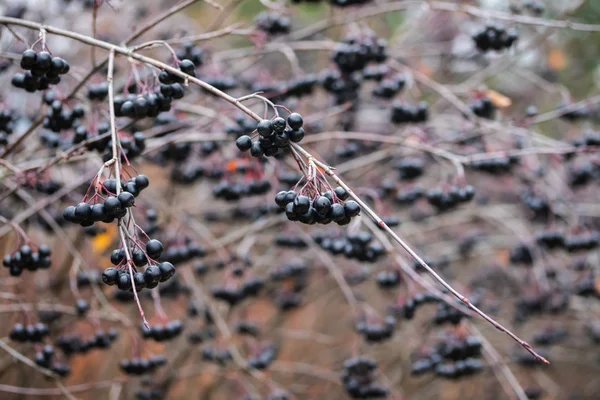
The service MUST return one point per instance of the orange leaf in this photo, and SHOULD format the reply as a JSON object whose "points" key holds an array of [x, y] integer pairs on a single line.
{"points": [[499, 100], [556, 59]]}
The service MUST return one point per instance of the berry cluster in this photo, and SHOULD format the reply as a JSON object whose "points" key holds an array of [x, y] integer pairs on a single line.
{"points": [[142, 366], [446, 200], [388, 88], [406, 113], [31, 333], [182, 253], [495, 166], [377, 332], [162, 333], [348, 3], [495, 37], [273, 23], [462, 355], [6, 126], [280, 91], [408, 309], [220, 356], [264, 358], [550, 336], [388, 279], [59, 118], [192, 53], [445, 313], [358, 379], [98, 92], [359, 246], [331, 206], [292, 269], [113, 207], [42, 69], [273, 135], [292, 241], [355, 52], [150, 278], [27, 258], [521, 254], [234, 191], [408, 196], [73, 343], [233, 295], [483, 107]]}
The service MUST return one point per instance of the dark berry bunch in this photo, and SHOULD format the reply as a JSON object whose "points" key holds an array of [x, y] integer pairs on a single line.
{"points": [[581, 175], [180, 253], [495, 166], [388, 88], [60, 118], [583, 241], [243, 126], [462, 359], [376, 72], [44, 358], [191, 52], [273, 135], [150, 278], [42, 69], [388, 279], [495, 37], [406, 113], [348, 3], [6, 126], [410, 168], [247, 328], [26, 258], [73, 343], [142, 366], [234, 294], [162, 333], [234, 191], [47, 186], [445, 200], [446, 313], [87, 278], [356, 51], [550, 336], [359, 245], [34, 333], [343, 85], [223, 83], [377, 332], [291, 241], [273, 23], [330, 206], [409, 307], [551, 239], [112, 207], [539, 206], [282, 90], [408, 196], [483, 107], [216, 355], [149, 394], [264, 358], [98, 92], [148, 105], [358, 379], [521, 254]]}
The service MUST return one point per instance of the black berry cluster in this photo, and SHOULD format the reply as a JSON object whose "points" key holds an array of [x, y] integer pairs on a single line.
{"points": [[358, 379], [583, 241], [348, 3], [388, 88], [142, 366], [60, 118], [162, 333], [410, 168], [388, 279], [343, 85], [446, 313], [495, 166], [180, 253], [219, 356], [377, 332], [445, 200], [273, 135], [521, 254], [113, 206], [150, 278], [406, 113], [355, 52], [42, 69], [280, 91], [331, 206], [408, 196], [291, 241], [234, 191], [98, 92], [409, 307], [550, 336], [495, 37], [233, 295], [483, 107], [34, 333], [462, 359], [264, 358], [26, 258], [191, 52], [359, 245], [273, 23], [6, 126], [73, 343]]}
